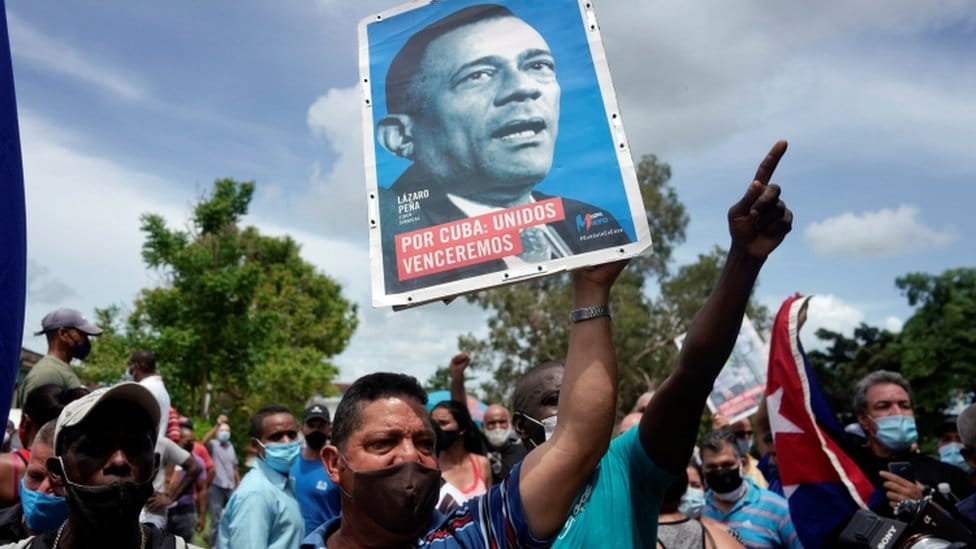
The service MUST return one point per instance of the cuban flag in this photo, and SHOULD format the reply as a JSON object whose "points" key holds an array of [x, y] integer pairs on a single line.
{"points": [[13, 227], [822, 483]]}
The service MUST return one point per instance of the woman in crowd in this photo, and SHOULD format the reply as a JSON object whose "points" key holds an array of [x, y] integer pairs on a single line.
{"points": [[460, 451]]}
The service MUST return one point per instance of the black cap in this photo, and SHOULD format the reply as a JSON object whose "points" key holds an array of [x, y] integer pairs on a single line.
{"points": [[316, 411]]}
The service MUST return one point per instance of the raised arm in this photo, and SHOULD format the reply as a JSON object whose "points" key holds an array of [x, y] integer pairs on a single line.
{"points": [[757, 223], [459, 363], [212, 433], [553, 472]]}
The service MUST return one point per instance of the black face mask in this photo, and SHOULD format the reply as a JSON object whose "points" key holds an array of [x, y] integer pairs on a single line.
{"points": [[95, 507], [724, 480], [399, 498], [316, 440], [445, 439], [81, 349]]}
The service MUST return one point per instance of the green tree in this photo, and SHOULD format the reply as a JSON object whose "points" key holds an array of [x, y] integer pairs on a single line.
{"points": [[937, 345], [240, 319], [528, 322], [848, 359], [110, 351]]}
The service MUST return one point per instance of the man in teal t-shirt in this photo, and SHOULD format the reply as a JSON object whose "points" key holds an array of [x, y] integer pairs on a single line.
{"points": [[618, 506]]}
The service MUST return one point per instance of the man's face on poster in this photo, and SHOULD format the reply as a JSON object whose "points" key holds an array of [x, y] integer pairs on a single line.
{"points": [[489, 109]]}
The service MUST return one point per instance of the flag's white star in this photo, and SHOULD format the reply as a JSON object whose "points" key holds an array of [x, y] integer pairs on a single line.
{"points": [[779, 423]]}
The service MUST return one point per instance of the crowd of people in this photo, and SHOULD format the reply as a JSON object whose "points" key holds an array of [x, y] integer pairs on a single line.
{"points": [[113, 467]]}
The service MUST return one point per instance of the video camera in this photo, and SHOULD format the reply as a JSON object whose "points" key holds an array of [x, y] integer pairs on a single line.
{"points": [[919, 524]]}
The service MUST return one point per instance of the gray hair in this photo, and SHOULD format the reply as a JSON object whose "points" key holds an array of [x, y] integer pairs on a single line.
{"points": [[860, 401], [966, 425], [716, 441]]}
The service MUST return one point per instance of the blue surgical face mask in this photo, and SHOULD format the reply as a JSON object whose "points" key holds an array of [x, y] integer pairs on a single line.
{"points": [[280, 456], [744, 445], [223, 436], [692, 502], [127, 376], [42, 512], [952, 454], [896, 433]]}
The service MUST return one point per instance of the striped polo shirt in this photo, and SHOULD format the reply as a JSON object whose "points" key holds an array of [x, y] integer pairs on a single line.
{"points": [[761, 518]]}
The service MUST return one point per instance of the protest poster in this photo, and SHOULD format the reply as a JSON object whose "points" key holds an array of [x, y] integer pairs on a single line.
{"points": [[493, 146], [740, 385]]}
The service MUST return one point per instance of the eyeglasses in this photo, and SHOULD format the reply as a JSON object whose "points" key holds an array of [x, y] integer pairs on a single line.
{"points": [[742, 434]]}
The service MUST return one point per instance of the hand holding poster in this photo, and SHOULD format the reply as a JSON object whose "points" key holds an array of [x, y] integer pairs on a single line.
{"points": [[741, 383], [488, 158]]}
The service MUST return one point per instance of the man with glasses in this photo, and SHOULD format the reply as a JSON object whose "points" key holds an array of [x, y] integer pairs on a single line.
{"points": [[67, 334], [743, 432], [761, 518]]}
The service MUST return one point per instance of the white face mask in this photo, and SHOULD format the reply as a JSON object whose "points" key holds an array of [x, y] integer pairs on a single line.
{"points": [[549, 424], [498, 437]]}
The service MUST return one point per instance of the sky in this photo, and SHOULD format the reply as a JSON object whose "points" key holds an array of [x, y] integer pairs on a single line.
{"points": [[134, 107]]}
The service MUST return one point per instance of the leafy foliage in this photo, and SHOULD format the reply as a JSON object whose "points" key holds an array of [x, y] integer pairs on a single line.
{"points": [[847, 360], [240, 320], [937, 345], [935, 351]]}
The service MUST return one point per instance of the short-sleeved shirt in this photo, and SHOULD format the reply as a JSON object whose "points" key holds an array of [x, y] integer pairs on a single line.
{"points": [[158, 389], [170, 453], [496, 519], [186, 497], [262, 512], [619, 504], [47, 370], [225, 463], [761, 518], [200, 451], [317, 496]]}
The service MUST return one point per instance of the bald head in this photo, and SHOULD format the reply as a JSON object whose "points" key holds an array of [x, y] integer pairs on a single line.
{"points": [[497, 417], [629, 421]]}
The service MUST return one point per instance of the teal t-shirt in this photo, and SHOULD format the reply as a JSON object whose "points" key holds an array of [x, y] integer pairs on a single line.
{"points": [[619, 504]]}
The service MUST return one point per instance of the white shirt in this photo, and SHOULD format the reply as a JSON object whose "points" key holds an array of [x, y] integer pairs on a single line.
{"points": [[155, 385]]}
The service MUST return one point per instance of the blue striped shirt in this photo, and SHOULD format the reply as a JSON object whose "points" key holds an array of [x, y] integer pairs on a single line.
{"points": [[761, 518]]}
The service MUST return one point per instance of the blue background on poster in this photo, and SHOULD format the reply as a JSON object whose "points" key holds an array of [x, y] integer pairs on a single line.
{"points": [[585, 165]]}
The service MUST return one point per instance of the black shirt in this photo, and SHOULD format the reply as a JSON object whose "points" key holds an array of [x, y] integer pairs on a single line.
{"points": [[928, 471], [502, 460]]}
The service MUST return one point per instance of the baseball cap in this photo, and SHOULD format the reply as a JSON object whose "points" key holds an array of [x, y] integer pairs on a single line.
{"points": [[67, 318], [76, 411], [316, 411]]}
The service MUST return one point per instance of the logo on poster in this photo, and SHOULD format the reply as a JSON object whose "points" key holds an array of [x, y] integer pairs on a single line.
{"points": [[586, 222]]}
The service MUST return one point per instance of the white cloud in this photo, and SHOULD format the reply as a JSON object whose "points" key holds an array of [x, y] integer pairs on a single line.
{"points": [[690, 74], [32, 46], [876, 233], [830, 312], [893, 324], [336, 196], [89, 256]]}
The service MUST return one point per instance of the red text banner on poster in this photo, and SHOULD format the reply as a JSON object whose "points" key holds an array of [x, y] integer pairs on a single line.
{"points": [[741, 402], [471, 241]]}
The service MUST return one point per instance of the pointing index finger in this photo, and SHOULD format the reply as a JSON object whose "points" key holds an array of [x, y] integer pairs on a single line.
{"points": [[768, 165]]}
